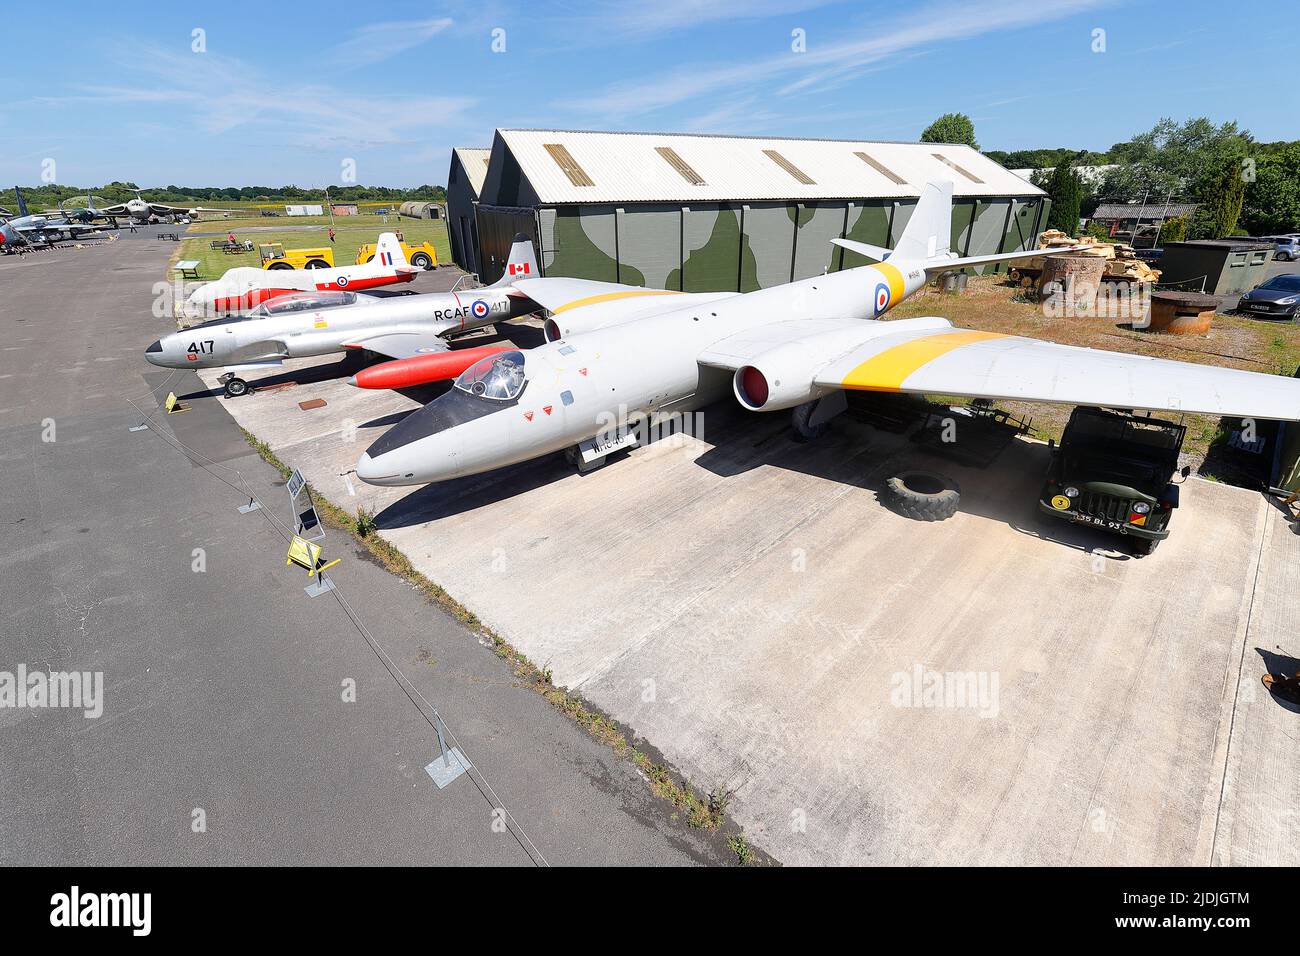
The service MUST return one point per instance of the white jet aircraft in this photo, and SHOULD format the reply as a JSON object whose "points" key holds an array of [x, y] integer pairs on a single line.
{"points": [[300, 324], [617, 352], [145, 210], [244, 288]]}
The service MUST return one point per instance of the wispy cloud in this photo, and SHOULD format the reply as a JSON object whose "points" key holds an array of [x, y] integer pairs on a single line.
{"points": [[836, 61], [646, 21], [314, 116], [379, 41]]}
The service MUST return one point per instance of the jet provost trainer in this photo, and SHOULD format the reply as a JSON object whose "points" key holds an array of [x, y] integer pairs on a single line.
{"points": [[302, 324]]}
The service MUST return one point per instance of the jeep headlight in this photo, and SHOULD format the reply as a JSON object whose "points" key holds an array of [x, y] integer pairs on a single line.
{"points": [[1071, 492], [1141, 508]]}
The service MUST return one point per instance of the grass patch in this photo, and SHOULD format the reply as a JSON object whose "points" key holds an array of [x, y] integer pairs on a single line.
{"points": [[701, 812], [350, 235], [740, 846]]}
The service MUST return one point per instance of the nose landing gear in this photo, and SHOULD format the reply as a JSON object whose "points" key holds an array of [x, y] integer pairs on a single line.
{"points": [[234, 386]]}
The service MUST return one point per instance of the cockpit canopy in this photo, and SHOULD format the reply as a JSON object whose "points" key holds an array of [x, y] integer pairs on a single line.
{"points": [[292, 302], [498, 377]]}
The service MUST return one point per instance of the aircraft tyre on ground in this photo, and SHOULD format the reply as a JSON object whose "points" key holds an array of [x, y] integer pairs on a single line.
{"points": [[923, 495]]}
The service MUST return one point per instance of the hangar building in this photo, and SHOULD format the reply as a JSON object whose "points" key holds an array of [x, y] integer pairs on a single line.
{"points": [[464, 184], [721, 213]]}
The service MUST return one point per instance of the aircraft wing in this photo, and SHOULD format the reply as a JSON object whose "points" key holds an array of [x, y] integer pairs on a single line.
{"points": [[929, 355], [561, 294], [400, 345]]}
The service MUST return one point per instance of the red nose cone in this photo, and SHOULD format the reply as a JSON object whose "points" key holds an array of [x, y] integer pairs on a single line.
{"points": [[753, 386], [422, 369]]}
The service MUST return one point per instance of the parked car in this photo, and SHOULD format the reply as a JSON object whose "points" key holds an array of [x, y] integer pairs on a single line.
{"points": [[1287, 247], [1275, 298]]}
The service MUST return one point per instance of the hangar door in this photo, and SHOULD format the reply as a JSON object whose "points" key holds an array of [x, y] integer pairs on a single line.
{"points": [[497, 227]]}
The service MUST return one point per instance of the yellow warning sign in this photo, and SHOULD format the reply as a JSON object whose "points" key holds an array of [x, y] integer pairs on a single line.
{"points": [[174, 404], [307, 554]]}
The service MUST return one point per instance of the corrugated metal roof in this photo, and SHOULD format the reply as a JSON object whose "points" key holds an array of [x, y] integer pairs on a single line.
{"points": [[625, 167], [475, 162], [1154, 210]]}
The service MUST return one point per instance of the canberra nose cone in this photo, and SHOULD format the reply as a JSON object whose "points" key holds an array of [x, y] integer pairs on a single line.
{"points": [[376, 471], [154, 353]]}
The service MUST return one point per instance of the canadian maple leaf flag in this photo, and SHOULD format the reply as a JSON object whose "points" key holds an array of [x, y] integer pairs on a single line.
{"points": [[517, 267]]}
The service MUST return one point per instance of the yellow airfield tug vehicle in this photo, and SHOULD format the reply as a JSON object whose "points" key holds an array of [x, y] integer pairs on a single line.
{"points": [[421, 256], [276, 256]]}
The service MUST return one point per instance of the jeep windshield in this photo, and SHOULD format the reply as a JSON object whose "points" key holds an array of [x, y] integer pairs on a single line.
{"points": [[1139, 453]]}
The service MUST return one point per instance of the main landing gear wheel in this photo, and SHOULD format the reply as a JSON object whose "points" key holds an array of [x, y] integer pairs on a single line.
{"points": [[574, 456], [236, 387], [923, 495], [800, 420]]}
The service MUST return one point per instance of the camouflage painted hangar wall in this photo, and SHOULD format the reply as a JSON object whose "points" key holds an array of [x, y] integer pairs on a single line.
{"points": [[723, 247]]}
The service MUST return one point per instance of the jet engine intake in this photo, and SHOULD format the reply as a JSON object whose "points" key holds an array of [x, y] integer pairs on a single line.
{"points": [[779, 378]]}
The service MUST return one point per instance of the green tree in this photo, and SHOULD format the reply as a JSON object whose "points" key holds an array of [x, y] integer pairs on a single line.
{"points": [[1219, 193], [1272, 202], [951, 128], [1173, 159], [1174, 229], [1068, 191]]}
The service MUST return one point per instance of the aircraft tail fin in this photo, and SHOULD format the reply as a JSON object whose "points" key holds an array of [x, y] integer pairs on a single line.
{"points": [[22, 203], [929, 231], [522, 263], [879, 253], [388, 250]]}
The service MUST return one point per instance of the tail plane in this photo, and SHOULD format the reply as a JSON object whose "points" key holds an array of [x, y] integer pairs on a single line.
{"points": [[926, 238], [22, 203]]}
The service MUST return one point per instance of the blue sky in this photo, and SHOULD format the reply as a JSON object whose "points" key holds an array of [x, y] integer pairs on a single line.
{"points": [[289, 92]]}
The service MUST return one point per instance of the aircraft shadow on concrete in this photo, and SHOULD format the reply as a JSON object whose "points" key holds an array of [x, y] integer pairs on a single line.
{"points": [[858, 454], [851, 453], [1280, 664]]}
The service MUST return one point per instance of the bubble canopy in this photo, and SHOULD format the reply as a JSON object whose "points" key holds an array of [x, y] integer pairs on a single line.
{"points": [[302, 302], [499, 378]]}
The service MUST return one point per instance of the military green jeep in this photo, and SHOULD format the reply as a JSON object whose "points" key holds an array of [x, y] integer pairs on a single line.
{"points": [[1112, 471]]}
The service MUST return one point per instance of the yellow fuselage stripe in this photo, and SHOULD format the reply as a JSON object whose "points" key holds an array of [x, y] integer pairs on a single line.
{"points": [[612, 297], [895, 280], [887, 371]]}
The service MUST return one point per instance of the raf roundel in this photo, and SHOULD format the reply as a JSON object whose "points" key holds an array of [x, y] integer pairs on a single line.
{"points": [[882, 298], [480, 309], [342, 282]]}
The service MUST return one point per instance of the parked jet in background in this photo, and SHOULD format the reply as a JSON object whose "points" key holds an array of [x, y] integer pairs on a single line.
{"points": [[627, 353], [244, 288], [302, 324], [31, 229], [143, 210]]}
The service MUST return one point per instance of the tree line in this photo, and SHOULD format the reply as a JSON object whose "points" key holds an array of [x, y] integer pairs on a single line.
{"points": [[1240, 186], [51, 194]]}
